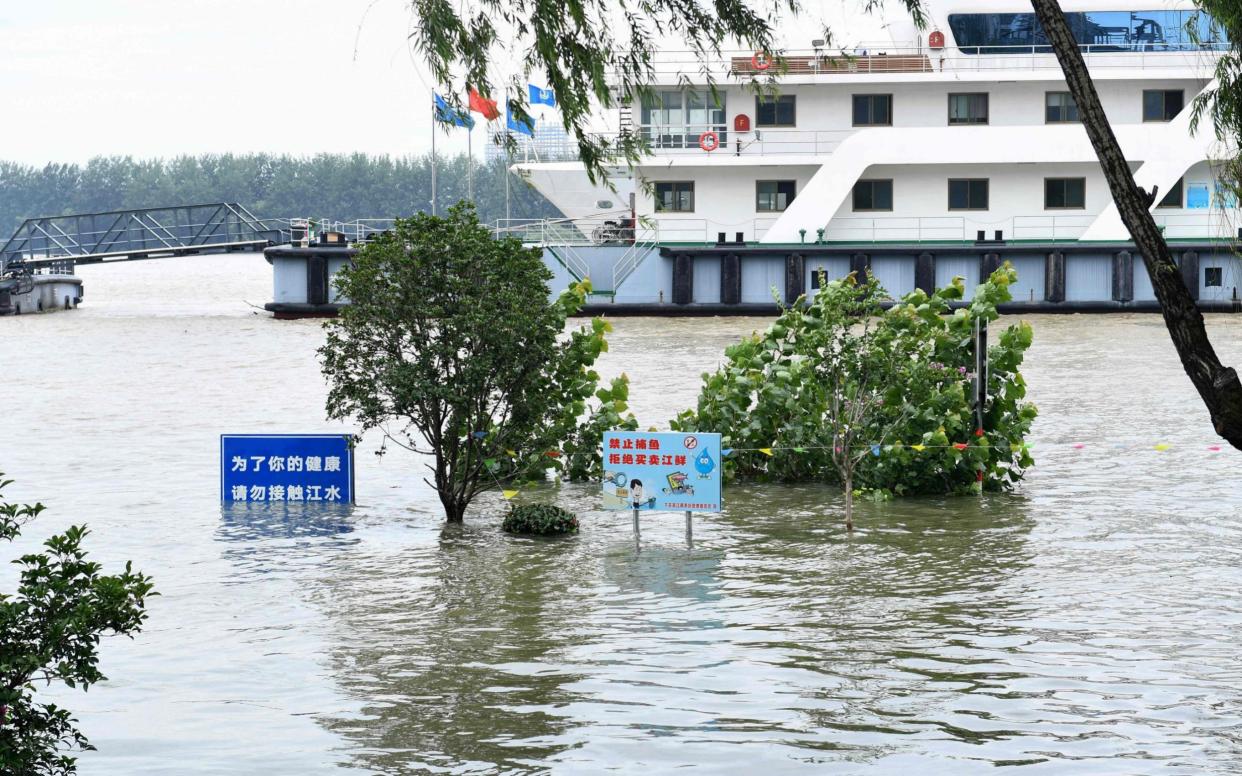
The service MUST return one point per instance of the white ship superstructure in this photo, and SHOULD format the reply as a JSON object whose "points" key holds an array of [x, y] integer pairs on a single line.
{"points": [[960, 142]]}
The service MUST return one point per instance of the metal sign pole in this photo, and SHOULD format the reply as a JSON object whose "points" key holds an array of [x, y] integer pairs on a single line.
{"points": [[689, 529], [637, 533]]}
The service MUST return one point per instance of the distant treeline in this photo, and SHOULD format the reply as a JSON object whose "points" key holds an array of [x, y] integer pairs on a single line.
{"points": [[336, 186]]}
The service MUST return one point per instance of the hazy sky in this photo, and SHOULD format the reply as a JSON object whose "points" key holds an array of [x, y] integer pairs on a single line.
{"points": [[82, 78]]}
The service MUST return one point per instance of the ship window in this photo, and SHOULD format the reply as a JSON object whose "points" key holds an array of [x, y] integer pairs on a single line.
{"points": [[873, 195], [1176, 195], [968, 194], [1213, 276], [776, 111], [1060, 108], [1162, 104], [1065, 193], [873, 110], [674, 197], [968, 108], [676, 119], [774, 196], [1095, 31]]}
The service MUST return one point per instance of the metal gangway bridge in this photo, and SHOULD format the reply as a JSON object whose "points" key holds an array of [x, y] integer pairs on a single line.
{"points": [[56, 244]]}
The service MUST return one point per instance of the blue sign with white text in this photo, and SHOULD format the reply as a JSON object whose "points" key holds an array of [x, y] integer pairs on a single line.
{"points": [[669, 471], [286, 468]]}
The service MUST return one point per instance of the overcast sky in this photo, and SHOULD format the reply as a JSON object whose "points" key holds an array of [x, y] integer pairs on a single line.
{"points": [[83, 78]]}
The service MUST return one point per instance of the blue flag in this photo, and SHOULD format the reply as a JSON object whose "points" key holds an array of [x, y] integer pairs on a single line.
{"points": [[445, 113], [518, 125], [541, 96]]}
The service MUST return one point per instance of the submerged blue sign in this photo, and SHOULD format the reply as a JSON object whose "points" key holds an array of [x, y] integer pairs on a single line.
{"points": [[287, 468], [669, 472]]}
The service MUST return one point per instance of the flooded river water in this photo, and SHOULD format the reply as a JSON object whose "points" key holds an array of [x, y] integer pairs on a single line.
{"points": [[1089, 623]]}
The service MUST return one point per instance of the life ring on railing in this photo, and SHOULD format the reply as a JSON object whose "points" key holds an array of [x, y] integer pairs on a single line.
{"points": [[760, 61], [709, 141]]}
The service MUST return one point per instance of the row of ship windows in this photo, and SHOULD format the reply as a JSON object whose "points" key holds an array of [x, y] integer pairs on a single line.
{"points": [[876, 110], [877, 195]]}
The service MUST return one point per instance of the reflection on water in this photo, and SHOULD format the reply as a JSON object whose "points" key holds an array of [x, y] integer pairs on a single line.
{"points": [[248, 522], [1087, 624]]}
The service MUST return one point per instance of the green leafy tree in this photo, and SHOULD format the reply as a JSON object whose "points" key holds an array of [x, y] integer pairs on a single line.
{"points": [[450, 347], [834, 381], [50, 630]]}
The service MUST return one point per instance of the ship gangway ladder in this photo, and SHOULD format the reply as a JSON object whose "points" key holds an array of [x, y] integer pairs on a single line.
{"points": [[58, 243]]}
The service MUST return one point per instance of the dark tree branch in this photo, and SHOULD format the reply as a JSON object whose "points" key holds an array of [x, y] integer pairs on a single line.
{"points": [[1217, 384]]}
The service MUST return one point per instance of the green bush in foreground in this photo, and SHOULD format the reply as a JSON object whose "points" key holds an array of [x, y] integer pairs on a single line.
{"points": [[50, 629], [540, 520]]}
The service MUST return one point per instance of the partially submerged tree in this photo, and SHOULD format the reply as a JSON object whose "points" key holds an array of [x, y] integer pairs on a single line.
{"points": [[839, 390], [50, 630], [451, 347]]}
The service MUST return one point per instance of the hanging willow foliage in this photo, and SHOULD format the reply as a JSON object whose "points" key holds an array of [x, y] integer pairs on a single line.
{"points": [[1223, 101], [592, 53]]}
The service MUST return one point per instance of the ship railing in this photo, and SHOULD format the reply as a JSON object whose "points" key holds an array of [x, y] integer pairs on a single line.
{"points": [[895, 229], [916, 57], [1050, 227], [689, 139], [1216, 222]]}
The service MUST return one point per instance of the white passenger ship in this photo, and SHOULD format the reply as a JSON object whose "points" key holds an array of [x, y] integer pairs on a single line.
{"points": [[929, 155]]}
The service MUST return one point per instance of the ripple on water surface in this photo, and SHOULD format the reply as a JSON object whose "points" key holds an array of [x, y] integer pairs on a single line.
{"points": [[1087, 624]]}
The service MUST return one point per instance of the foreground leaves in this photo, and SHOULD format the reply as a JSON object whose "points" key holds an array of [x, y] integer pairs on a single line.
{"points": [[50, 630]]}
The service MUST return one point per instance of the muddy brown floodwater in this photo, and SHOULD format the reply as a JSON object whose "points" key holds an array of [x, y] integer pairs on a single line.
{"points": [[1089, 623]]}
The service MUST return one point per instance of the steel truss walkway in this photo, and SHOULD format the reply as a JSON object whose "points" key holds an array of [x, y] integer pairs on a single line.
{"points": [[58, 243]]}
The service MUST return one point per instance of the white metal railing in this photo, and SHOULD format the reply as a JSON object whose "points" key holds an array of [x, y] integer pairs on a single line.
{"points": [[892, 228], [681, 140], [1050, 227], [1215, 222], [891, 58]]}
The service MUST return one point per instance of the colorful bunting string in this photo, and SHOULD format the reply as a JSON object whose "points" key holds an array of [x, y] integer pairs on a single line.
{"points": [[878, 449]]}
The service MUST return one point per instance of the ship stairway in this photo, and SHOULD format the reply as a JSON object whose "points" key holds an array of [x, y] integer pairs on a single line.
{"points": [[58, 243], [645, 240]]}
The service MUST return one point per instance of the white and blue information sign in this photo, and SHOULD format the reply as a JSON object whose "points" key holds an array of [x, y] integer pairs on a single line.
{"points": [[662, 472], [286, 468]]}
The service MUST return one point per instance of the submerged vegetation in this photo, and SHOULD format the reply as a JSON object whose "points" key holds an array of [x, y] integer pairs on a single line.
{"points": [[840, 390], [540, 520], [451, 348]]}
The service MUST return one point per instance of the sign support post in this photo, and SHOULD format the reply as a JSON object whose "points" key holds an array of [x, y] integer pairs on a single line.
{"points": [[690, 530]]}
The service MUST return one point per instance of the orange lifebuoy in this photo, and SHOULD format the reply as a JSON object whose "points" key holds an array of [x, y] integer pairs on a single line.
{"points": [[709, 141], [760, 61]]}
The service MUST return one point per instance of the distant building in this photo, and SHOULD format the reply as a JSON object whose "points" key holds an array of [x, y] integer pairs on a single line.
{"points": [[550, 143]]}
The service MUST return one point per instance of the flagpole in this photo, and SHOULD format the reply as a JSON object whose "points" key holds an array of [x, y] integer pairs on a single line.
{"points": [[508, 157], [433, 153], [470, 163]]}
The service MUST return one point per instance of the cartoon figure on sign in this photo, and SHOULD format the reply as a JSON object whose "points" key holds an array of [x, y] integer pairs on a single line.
{"points": [[677, 484], [704, 464], [638, 498]]}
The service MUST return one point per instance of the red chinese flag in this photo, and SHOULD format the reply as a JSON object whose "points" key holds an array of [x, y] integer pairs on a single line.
{"points": [[480, 104]]}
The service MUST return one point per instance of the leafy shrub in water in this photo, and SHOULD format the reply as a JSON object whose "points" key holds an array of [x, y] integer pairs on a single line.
{"points": [[910, 381], [540, 520]]}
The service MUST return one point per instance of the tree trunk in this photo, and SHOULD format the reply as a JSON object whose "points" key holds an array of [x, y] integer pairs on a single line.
{"points": [[849, 501], [1217, 384]]}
